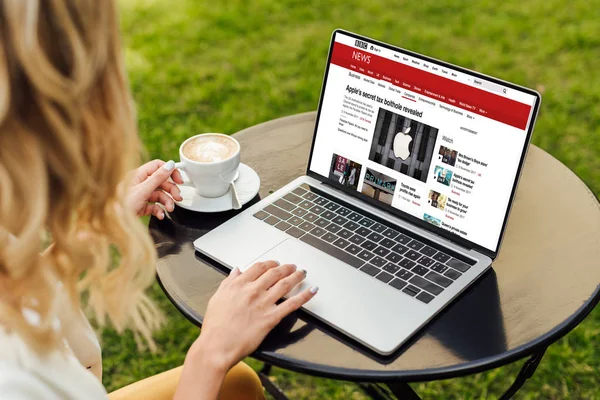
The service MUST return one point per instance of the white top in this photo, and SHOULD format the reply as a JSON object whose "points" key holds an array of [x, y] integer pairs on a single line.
{"points": [[74, 373]]}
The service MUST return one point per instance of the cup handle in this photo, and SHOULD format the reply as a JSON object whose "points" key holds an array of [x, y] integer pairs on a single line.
{"points": [[181, 168]]}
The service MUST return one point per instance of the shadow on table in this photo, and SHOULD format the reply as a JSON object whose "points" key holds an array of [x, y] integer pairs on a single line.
{"points": [[471, 327]]}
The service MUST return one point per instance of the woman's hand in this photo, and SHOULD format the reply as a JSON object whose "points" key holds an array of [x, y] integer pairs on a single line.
{"points": [[239, 316], [151, 186]]}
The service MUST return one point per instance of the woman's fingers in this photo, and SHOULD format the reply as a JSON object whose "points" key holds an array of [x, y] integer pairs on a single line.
{"points": [[274, 275], [172, 189], [158, 196], [154, 209], [294, 303], [255, 271], [284, 285]]}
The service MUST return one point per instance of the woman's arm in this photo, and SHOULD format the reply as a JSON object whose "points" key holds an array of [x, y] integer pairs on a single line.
{"points": [[239, 316]]}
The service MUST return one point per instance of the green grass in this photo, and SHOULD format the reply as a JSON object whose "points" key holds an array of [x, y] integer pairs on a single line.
{"points": [[198, 66]]}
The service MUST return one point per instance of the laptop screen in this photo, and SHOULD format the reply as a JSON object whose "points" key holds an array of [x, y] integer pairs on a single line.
{"points": [[439, 143]]}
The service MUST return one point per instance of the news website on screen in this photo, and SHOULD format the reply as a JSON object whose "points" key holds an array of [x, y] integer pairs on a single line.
{"points": [[436, 143]]}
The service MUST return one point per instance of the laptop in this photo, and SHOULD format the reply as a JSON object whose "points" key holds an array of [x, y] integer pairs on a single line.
{"points": [[410, 179]]}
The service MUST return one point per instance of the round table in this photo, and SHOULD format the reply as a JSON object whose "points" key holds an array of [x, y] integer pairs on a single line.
{"points": [[543, 284]]}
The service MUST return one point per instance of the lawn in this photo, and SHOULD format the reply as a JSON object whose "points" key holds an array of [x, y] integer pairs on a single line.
{"points": [[198, 66]]}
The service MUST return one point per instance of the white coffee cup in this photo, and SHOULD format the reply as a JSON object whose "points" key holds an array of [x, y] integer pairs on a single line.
{"points": [[210, 178]]}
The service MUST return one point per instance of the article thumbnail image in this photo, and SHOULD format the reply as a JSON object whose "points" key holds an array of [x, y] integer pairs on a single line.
{"points": [[379, 186], [345, 171], [437, 200], [447, 156], [442, 175], [403, 144], [432, 220]]}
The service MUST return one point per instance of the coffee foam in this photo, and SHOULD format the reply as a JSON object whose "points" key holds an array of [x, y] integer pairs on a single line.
{"points": [[210, 148]]}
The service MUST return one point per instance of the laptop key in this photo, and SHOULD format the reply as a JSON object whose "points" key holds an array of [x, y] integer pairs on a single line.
{"points": [[306, 226], [411, 290], [406, 263], [452, 274], [425, 297], [329, 237], [282, 226], [292, 198], [299, 212], [310, 217], [426, 261], [363, 231], [339, 220], [365, 255], [428, 251], [415, 245], [384, 277], [368, 245], [376, 237], [400, 249], [350, 225], [332, 206], [305, 204], [439, 267], [403, 239], [377, 227], [333, 228], [357, 239], [459, 265], [413, 255], [390, 233], [437, 278], [420, 270], [354, 217], [426, 285], [353, 249], [286, 205], [341, 243], [366, 222], [295, 232], [398, 284], [321, 201], [345, 233], [404, 274], [441, 257], [391, 268], [278, 212], [369, 269], [394, 257], [381, 251], [272, 220], [317, 209], [310, 196], [378, 262], [343, 211], [261, 215], [328, 215], [299, 191], [322, 222], [332, 250], [387, 243], [318, 231]]}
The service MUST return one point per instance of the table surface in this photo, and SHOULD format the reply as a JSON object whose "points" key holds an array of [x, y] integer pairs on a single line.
{"points": [[545, 281]]}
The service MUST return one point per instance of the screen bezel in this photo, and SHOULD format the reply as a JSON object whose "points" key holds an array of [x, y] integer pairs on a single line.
{"points": [[402, 214]]}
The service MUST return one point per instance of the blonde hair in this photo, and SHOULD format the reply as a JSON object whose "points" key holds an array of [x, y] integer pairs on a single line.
{"points": [[67, 139]]}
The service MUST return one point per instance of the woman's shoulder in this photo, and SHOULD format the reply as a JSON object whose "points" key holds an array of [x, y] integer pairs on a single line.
{"points": [[25, 374]]}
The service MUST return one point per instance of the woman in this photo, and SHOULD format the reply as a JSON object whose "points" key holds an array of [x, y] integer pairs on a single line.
{"points": [[67, 138]]}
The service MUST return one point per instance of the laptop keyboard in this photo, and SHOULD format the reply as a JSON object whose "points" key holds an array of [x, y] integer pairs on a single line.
{"points": [[394, 258]]}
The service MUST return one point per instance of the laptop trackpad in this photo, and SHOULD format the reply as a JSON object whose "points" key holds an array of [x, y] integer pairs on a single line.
{"points": [[348, 299]]}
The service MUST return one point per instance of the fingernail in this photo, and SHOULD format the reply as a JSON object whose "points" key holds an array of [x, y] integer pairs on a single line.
{"points": [[294, 267], [169, 165], [162, 215], [277, 262], [314, 289], [304, 272]]}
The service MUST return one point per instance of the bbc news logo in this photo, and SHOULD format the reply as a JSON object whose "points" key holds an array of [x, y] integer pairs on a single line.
{"points": [[361, 45]]}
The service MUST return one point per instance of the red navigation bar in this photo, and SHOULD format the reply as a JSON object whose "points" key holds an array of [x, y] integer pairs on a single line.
{"points": [[426, 84]]}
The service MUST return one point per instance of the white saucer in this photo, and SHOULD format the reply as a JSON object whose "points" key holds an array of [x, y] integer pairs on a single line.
{"points": [[247, 186]]}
